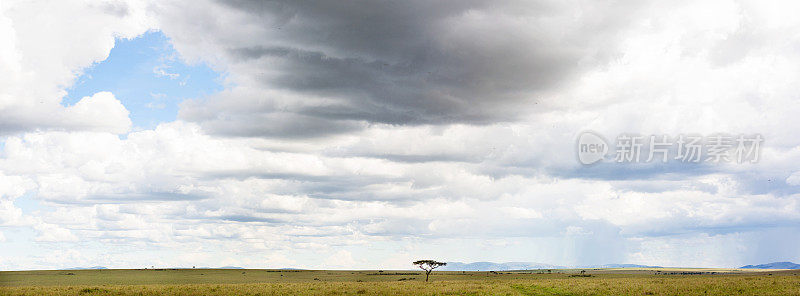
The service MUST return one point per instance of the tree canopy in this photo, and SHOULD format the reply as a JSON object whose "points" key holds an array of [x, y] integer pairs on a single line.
{"points": [[428, 266]]}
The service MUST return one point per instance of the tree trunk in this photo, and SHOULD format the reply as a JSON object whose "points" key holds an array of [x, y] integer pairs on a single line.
{"points": [[426, 275]]}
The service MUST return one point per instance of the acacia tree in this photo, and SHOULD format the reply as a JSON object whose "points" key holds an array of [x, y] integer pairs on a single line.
{"points": [[428, 266]]}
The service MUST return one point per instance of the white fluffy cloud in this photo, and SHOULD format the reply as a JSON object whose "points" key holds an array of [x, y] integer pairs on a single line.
{"points": [[45, 45], [178, 186]]}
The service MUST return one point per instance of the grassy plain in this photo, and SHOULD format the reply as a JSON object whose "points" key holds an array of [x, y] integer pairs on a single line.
{"points": [[323, 282]]}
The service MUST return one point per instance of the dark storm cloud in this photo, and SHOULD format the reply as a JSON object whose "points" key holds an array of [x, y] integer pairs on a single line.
{"points": [[269, 124], [406, 63]]}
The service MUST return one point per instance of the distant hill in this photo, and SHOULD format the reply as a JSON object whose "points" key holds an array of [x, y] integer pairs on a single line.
{"points": [[623, 266], [82, 268], [489, 266], [774, 265]]}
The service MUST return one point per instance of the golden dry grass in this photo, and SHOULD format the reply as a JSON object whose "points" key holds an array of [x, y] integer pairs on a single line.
{"points": [[271, 282]]}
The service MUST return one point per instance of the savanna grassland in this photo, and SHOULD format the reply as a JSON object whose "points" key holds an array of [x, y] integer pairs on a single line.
{"points": [[322, 282]]}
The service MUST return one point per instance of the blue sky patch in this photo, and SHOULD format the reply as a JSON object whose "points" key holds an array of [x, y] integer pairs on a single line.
{"points": [[148, 77]]}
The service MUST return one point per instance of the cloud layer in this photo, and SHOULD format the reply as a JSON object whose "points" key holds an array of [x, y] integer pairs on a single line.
{"points": [[323, 68], [397, 131]]}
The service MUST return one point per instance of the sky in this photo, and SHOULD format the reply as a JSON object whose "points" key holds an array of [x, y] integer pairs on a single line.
{"points": [[369, 134]]}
